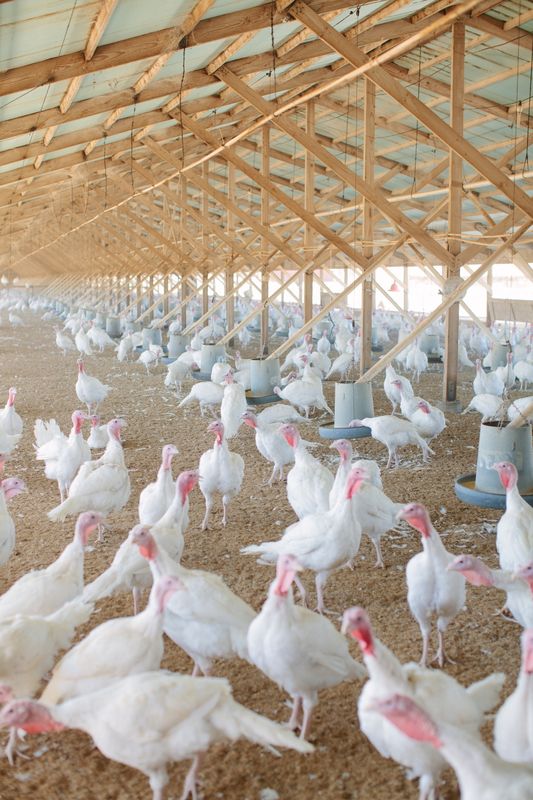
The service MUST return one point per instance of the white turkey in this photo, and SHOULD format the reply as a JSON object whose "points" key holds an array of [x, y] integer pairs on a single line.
{"points": [[490, 406], [299, 650], [129, 571], [206, 619], [10, 421], [432, 589], [270, 444], [43, 591], [90, 390], [101, 485], [9, 488], [98, 436], [177, 372], [221, 471], [438, 692], [62, 456], [309, 482], [394, 433], [155, 498], [233, 406], [63, 341], [209, 395], [149, 720]]}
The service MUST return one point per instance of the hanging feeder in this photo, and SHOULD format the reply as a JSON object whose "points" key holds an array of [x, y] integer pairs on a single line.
{"points": [[498, 442], [352, 401], [112, 327], [264, 375]]}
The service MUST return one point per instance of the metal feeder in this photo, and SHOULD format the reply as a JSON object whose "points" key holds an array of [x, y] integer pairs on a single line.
{"points": [[264, 374], [352, 401], [498, 442]]}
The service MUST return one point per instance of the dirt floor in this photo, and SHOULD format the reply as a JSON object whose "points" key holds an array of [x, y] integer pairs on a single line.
{"points": [[344, 765]]}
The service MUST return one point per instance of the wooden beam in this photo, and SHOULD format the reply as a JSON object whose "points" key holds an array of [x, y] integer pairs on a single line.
{"points": [[451, 298], [373, 194], [309, 199], [354, 56], [451, 334], [367, 294]]}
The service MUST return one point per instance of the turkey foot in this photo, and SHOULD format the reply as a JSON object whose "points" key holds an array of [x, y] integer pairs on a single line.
{"points": [[191, 780]]}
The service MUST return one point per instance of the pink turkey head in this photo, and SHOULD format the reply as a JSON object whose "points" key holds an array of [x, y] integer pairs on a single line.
{"points": [[11, 396], [164, 588], [12, 487], [217, 428], [409, 718], [28, 715], [356, 477], [95, 420], [424, 407], [169, 451], [290, 434], [77, 420], [249, 418], [508, 474], [81, 365], [344, 449], [141, 536], [356, 622], [473, 569], [86, 523], [186, 482], [114, 428], [286, 568], [417, 516]]}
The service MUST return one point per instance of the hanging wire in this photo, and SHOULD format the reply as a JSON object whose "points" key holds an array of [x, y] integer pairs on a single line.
{"points": [[413, 185], [273, 46], [182, 133], [528, 129], [105, 170], [131, 146]]}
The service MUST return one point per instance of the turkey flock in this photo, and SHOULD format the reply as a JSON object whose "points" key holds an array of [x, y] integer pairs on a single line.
{"points": [[107, 680]]}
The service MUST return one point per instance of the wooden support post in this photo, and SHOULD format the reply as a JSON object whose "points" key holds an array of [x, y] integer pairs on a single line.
{"points": [[309, 183], [166, 290], [489, 297], [406, 288], [138, 292], [151, 297], [205, 238], [185, 292], [449, 300], [368, 224], [453, 273], [265, 214], [228, 281]]}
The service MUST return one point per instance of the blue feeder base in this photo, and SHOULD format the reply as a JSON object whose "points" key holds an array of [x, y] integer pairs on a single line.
{"points": [[330, 432], [167, 360], [261, 399], [201, 376], [465, 490]]}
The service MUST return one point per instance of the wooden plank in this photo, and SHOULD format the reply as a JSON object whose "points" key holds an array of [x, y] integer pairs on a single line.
{"points": [[367, 296], [451, 334], [309, 200], [451, 298], [375, 195], [303, 13]]}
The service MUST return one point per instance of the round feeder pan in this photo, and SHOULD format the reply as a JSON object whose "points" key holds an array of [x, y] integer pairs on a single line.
{"points": [[330, 432], [465, 490], [377, 348], [434, 359], [201, 376], [261, 399], [167, 360]]}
